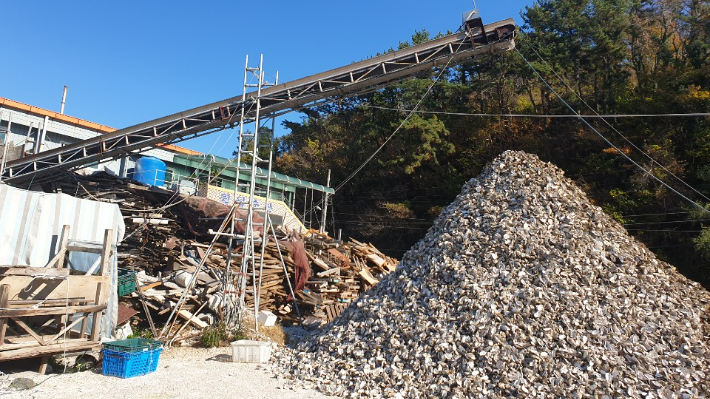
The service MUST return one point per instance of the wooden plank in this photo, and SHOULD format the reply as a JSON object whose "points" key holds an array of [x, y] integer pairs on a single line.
{"points": [[339, 255], [60, 257], [51, 311], [96, 322], [73, 286], [82, 246], [335, 270], [368, 277], [376, 260], [4, 292], [150, 221], [35, 351], [29, 331], [69, 301], [320, 263], [106, 252], [151, 285], [32, 271], [43, 365], [84, 325], [187, 315], [69, 327]]}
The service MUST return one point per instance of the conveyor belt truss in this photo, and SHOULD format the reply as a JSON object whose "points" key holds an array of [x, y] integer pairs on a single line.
{"points": [[341, 82]]}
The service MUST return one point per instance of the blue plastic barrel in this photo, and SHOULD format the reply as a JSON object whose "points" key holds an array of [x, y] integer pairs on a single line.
{"points": [[150, 171]]}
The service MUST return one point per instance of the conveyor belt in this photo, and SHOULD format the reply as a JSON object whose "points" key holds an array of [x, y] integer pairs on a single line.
{"points": [[341, 82]]}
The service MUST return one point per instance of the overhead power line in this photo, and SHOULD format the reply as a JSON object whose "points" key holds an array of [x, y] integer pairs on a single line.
{"points": [[561, 116], [648, 156], [649, 173]]}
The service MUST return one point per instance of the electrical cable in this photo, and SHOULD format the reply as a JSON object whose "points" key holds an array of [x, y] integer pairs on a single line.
{"points": [[615, 130], [654, 177], [654, 214], [411, 113], [545, 116], [668, 222]]}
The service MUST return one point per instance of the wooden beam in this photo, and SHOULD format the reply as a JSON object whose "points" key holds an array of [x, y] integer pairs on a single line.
{"points": [[61, 254], [187, 315], [29, 330], [43, 365], [32, 271], [4, 291], [106, 253], [51, 311], [35, 351], [96, 322], [89, 247], [28, 302], [69, 327], [149, 286]]}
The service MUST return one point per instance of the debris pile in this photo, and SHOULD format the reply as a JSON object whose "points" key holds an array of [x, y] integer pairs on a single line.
{"points": [[324, 295], [521, 288], [167, 237]]}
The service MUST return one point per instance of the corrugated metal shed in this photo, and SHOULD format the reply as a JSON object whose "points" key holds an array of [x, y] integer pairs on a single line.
{"points": [[31, 223]]}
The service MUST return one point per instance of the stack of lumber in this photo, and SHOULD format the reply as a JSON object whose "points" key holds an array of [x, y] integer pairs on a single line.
{"points": [[342, 271], [163, 250], [151, 227]]}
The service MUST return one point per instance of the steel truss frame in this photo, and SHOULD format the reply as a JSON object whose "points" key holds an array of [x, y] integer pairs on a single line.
{"points": [[340, 82]]}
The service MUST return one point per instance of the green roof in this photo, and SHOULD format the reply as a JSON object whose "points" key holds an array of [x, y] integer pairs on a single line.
{"points": [[197, 161]]}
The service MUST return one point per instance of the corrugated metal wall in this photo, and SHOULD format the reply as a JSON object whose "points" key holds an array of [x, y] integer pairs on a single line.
{"points": [[31, 223]]}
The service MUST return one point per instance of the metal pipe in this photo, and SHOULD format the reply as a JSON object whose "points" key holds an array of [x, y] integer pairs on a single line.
{"points": [[228, 279], [27, 139], [41, 135], [267, 218], [64, 99], [4, 147], [252, 186], [325, 205]]}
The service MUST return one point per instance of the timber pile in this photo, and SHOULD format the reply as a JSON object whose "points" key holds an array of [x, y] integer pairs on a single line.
{"points": [[164, 246], [150, 228], [342, 272], [340, 275]]}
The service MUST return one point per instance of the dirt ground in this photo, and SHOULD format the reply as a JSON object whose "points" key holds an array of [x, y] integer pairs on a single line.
{"points": [[181, 373]]}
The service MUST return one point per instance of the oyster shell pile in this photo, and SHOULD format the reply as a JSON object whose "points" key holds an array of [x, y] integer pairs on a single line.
{"points": [[521, 288]]}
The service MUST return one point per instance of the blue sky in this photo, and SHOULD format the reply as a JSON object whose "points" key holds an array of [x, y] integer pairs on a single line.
{"points": [[127, 62]]}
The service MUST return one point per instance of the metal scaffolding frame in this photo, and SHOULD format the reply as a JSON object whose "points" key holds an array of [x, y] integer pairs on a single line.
{"points": [[235, 305]]}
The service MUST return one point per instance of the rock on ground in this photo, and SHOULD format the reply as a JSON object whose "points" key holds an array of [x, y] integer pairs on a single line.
{"points": [[521, 288]]}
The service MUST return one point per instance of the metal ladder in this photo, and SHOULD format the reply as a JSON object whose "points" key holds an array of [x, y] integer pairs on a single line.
{"points": [[249, 145]]}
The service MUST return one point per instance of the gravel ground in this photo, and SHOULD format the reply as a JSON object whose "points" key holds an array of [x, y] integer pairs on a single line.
{"points": [[182, 373]]}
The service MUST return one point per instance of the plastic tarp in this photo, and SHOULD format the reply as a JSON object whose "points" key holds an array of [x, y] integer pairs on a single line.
{"points": [[31, 224]]}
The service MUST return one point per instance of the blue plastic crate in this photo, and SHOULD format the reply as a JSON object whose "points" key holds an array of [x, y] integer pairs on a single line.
{"points": [[133, 345], [130, 364]]}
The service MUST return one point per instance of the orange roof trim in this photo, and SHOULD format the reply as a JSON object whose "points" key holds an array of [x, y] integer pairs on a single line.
{"points": [[179, 149], [55, 115], [80, 122]]}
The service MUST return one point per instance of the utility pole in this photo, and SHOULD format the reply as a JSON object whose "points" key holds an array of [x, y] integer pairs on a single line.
{"points": [[325, 205], [64, 99]]}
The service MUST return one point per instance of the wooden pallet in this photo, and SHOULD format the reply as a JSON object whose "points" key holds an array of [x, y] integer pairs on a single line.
{"points": [[333, 311]]}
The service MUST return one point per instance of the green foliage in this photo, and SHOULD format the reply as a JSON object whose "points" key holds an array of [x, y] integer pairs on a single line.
{"points": [[139, 332], [702, 243], [220, 335]]}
